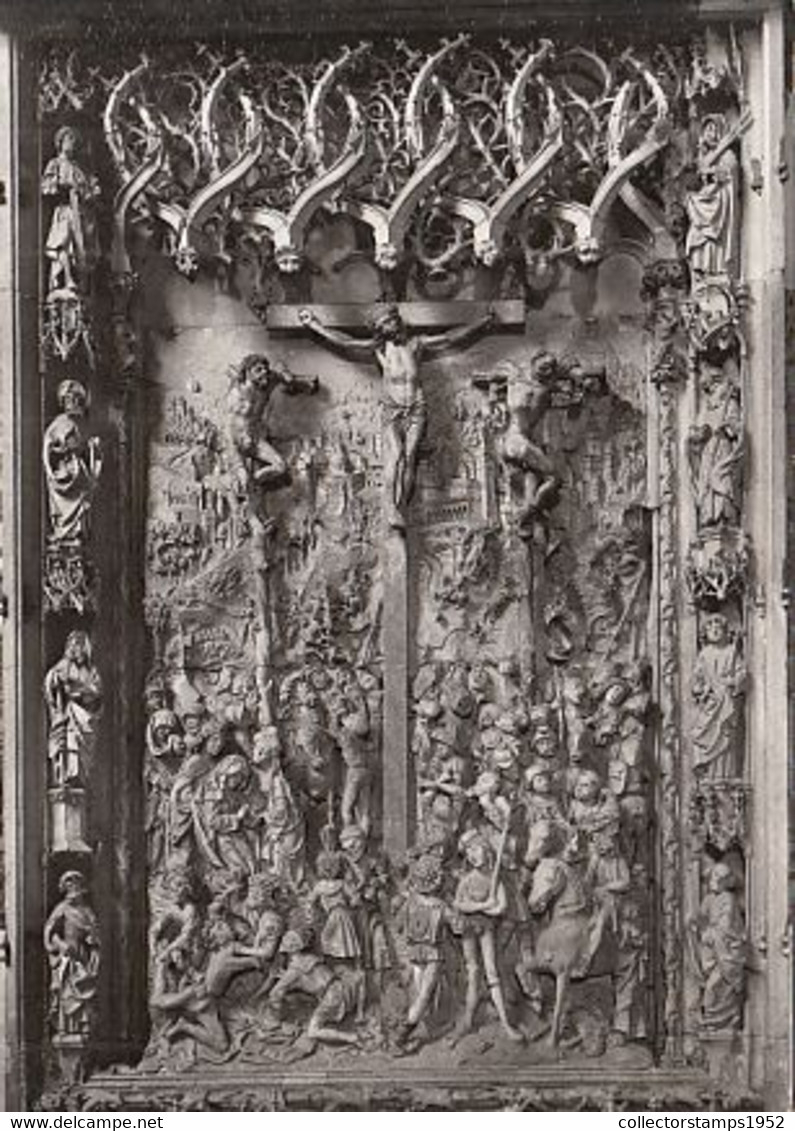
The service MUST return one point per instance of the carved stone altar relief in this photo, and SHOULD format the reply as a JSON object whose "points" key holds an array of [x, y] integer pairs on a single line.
{"points": [[414, 692], [208, 764]]}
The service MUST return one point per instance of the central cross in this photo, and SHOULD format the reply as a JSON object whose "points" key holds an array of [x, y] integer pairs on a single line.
{"points": [[397, 338]]}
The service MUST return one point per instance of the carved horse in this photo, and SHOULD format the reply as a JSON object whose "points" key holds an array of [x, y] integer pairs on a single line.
{"points": [[577, 940]]}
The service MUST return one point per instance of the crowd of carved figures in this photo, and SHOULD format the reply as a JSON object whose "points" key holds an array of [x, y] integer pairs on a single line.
{"points": [[531, 857], [278, 924]]}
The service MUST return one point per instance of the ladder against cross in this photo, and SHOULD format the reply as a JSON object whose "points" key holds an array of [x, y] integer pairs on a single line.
{"points": [[446, 327]]}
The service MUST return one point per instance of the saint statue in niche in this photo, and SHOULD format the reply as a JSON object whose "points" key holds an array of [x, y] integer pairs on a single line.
{"points": [[73, 693], [712, 239], [72, 466], [71, 939], [71, 240], [719, 952], [716, 449], [718, 686], [399, 356]]}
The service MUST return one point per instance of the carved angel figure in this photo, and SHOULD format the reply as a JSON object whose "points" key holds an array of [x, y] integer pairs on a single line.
{"points": [[71, 240], [711, 244], [719, 677], [73, 693], [71, 939], [72, 465], [717, 451], [718, 943]]}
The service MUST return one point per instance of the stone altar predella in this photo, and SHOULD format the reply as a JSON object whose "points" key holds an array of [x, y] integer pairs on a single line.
{"points": [[443, 349]]}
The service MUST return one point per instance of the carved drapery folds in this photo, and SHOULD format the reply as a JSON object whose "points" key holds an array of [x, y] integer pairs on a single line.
{"points": [[492, 528]]}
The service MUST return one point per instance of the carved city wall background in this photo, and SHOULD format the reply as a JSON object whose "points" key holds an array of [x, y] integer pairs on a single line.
{"points": [[398, 584]]}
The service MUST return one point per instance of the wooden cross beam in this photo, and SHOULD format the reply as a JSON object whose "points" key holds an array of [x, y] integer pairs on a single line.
{"points": [[510, 315], [327, 323]]}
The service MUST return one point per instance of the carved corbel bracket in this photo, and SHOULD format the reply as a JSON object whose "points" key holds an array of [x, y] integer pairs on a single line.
{"points": [[718, 816], [718, 568]]}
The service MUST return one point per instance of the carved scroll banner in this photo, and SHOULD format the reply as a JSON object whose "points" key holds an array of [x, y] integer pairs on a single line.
{"points": [[415, 350]]}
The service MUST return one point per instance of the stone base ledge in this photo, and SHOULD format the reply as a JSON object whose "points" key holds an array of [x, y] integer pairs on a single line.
{"points": [[547, 1089]]}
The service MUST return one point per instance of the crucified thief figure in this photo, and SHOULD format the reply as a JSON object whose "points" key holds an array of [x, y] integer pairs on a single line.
{"points": [[253, 384], [399, 356]]}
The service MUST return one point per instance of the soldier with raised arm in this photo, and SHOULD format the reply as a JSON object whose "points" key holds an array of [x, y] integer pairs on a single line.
{"points": [[398, 356]]}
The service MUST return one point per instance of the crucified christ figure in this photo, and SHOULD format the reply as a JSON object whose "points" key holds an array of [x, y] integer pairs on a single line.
{"points": [[399, 356]]}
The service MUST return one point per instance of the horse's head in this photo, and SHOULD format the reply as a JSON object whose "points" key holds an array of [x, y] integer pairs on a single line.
{"points": [[553, 852], [546, 838], [549, 880]]}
